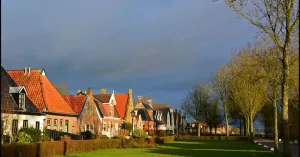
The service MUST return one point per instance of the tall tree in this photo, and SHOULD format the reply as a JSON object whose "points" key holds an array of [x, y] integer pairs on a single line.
{"points": [[277, 19], [212, 115], [219, 82], [195, 101], [247, 87], [62, 88]]}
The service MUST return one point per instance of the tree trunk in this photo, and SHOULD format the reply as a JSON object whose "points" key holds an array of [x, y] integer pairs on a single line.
{"points": [[226, 120], [275, 124], [251, 128], [245, 126], [215, 130], [240, 127], [285, 99], [199, 124], [210, 130]]}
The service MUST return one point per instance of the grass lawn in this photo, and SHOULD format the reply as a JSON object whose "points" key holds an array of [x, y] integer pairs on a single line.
{"points": [[189, 149]]}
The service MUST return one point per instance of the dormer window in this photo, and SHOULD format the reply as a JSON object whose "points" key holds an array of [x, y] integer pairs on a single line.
{"points": [[22, 101]]}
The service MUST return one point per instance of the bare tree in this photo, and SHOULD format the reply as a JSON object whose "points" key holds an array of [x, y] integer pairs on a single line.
{"points": [[62, 88], [219, 82], [195, 102], [277, 19]]}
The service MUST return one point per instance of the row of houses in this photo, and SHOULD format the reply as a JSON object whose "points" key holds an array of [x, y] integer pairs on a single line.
{"points": [[29, 99]]}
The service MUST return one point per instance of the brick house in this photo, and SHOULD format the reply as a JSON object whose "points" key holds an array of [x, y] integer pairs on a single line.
{"points": [[17, 110], [145, 111], [111, 119], [164, 113], [90, 116], [45, 97]]}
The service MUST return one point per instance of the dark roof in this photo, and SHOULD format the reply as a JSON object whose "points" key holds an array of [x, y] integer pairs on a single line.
{"points": [[144, 114], [104, 98], [7, 101], [147, 106]]}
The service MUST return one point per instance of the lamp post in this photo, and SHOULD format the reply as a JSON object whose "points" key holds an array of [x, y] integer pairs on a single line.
{"points": [[132, 115]]}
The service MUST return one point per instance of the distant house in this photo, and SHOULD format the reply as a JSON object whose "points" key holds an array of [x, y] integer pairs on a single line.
{"points": [[17, 110], [44, 96], [145, 111], [164, 113], [111, 119], [90, 116]]}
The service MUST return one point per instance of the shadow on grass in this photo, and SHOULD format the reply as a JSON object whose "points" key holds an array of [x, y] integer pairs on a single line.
{"points": [[213, 149]]}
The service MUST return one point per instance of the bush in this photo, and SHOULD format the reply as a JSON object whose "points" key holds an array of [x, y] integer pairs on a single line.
{"points": [[34, 133], [116, 137], [138, 143], [20, 149], [88, 135], [104, 137], [161, 133], [140, 133], [22, 137], [169, 132], [127, 126], [51, 148], [205, 138], [45, 138], [165, 139], [65, 138]]}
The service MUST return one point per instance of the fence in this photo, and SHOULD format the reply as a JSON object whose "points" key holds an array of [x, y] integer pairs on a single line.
{"points": [[55, 135]]}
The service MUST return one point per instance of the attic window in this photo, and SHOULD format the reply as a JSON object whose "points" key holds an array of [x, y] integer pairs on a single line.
{"points": [[111, 110], [22, 101]]}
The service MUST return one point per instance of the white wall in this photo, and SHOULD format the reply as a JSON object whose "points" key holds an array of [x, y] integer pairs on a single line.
{"points": [[20, 117]]}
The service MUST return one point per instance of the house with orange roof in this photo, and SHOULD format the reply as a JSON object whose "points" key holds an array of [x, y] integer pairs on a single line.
{"points": [[90, 115], [41, 92], [111, 120], [17, 110]]}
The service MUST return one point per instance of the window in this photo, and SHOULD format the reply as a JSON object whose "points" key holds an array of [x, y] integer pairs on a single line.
{"points": [[88, 127], [55, 122], [49, 123], [25, 123], [90, 110], [67, 125], [111, 110], [61, 123], [37, 125], [22, 101], [104, 127], [108, 129], [72, 129], [14, 126], [92, 126]]}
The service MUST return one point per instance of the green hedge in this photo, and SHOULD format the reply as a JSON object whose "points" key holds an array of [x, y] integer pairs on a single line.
{"points": [[53, 148], [19, 150], [205, 138], [165, 139]]}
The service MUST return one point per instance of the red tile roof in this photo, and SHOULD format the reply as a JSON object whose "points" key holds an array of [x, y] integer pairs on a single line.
{"points": [[76, 102], [121, 100], [41, 91], [104, 98]]}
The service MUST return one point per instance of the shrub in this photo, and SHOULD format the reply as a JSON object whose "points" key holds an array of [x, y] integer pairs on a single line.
{"points": [[161, 133], [205, 138], [138, 143], [22, 137], [116, 137], [45, 138], [51, 148], [88, 135], [20, 149], [104, 137], [169, 132], [65, 138], [140, 133], [127, 126], [34, 133]]}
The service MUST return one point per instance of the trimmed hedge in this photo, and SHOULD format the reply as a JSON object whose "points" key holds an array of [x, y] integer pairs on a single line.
{"points": [[165, 139], [53, 148], [19, 150], [205, 138]]}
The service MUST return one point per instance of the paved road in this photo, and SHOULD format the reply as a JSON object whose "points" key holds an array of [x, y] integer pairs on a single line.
{"points": [[270, 144]]}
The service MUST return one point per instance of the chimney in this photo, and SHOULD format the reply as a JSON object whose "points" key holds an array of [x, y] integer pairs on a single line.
{"points": [[140, 99], [150, 102], [103, 90], [89, 92], [130, 92], [28, 70], [25, 70]]}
